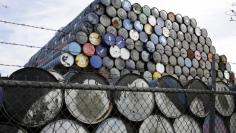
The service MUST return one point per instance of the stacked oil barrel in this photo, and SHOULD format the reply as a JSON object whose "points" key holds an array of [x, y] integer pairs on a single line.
{"points": [[114, 42], [48, 110]]}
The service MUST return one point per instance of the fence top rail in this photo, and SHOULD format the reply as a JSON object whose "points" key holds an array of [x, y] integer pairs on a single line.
{"points": [[76, 86]]}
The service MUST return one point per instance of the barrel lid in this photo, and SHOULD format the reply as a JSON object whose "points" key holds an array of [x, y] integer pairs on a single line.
{"points": [[152, 20], [134, 112], [160, 49], [138, 26], [126, 5], [168, 24], [193, 71], [116, 3], [130, 64], [129, 43], [119, 63], [183, 28], [143, 37], [146, 10], [116, 22], [123, 32], [171, 16], [132, 16], [96, 61], [147, 75], [108, 62], [197, 55], [158, 30], [180, 35], [202, 40], [109, 39], [156, 57], [150, 47], [192, 46], [134, 35], [105, 20], [95, 38], [155, 12], [188, 62], [198, 31], [74, 48], [67, 60], [112, 30], [98, 8], [112, 125], [160, 22], [121, 13], [223, 59], [180, 61], [114, 51], [127, 24], [138, 46], [173, 34], [178, 71], [163, 14], [168, 50], [226, 75], [178, 100], [160, 68], [82, 60], [169, 69], [151, 67], [143, 18], [190, 54], [183, 53], [164, 59], [162, 40], [154, 38], [176, 52], [194, 38], [210, 57], [195, 63], [106, 2], [145, 56], [204, 56], [166, 32], [88, 49], [190, 29], [124, 53], [137, 8], [156, 75], [179, 18], [199, 47], [120, 41], [81, 37], [175, 26], [188, 37], [185, 71], [148, 29]]}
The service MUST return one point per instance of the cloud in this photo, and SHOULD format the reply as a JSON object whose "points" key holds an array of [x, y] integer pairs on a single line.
{"points": [[210, 14]]}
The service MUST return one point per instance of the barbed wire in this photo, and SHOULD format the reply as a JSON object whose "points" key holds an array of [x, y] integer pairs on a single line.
{"points": [[8, 65], [31, 26]]}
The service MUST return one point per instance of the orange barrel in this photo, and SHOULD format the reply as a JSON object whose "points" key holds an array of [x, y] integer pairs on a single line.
{"points": [[140, 104], [64, 126], [199, 105], [172, 105], [32, 107], [87, 106]]}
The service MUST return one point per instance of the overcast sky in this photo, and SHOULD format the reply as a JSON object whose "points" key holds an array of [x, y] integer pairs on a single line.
{"points": [[210, 14]]}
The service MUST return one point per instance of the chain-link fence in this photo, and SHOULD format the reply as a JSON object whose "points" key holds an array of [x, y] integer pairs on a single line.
{"points": [[131, 106]]}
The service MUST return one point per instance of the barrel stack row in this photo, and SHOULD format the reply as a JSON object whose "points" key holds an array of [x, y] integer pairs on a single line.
{"points": [[100, 111], [116, 37]]}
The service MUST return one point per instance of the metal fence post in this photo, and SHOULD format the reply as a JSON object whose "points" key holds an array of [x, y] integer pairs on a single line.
{"points": [[212, 98]]}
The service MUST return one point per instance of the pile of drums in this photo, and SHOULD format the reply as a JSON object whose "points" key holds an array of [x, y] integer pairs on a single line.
{"points": [[48, 110], [116, 37]]}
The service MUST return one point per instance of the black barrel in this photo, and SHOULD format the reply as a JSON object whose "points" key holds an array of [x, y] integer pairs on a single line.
{"points": [[64, 126], [32, 106], [219, 125], [7, 128], [172, 105], [135, 106], [88, 106], [199, 103], [156, 124], [224, 104]]}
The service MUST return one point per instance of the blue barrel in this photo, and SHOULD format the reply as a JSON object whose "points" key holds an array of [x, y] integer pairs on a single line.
{"points": [[32, 107], [73, 48], [109, 39], [120, 41], [96, 61], [101, 51]]}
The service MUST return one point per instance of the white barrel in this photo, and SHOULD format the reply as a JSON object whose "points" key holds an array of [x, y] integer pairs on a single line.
{"points": [[224, 103], [186, 124], [64, 126], [88, 106], [135, 106], [112, 125], [156, 124]]}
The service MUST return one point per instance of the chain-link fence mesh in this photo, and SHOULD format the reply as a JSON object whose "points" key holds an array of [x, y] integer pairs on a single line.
{"points": [[133, 108]]}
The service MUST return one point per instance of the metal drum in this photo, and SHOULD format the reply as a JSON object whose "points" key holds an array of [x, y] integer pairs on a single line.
{"points": [[198, 103], [5, 128], [88, 106], [172, 105], [112, 125], [224, 103], [156, 124], [186, 124], [64, 126], [140, 104], [219, 125], [232, 127], [32, 107]]}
